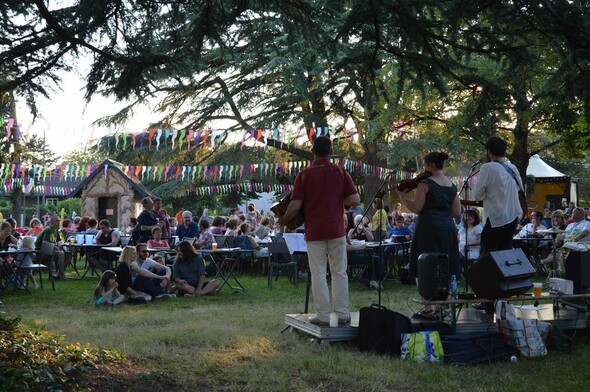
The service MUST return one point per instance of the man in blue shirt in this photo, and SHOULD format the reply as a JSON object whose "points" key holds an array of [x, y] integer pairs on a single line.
{"points": [[188, 228]]}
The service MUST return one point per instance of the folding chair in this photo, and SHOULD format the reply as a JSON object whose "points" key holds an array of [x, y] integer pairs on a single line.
{"points": [[279, 257], [45, 260]]}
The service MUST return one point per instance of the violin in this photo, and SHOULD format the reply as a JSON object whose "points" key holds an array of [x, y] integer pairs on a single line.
{"points": [[410, 185]]}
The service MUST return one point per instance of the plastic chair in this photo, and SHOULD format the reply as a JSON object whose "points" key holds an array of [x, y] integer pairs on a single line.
{"points": [[279, 258], [45, 260]]}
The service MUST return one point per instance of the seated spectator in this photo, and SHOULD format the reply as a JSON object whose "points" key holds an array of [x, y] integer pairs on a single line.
{"points": [[123, 275], [577, 231], [67, 226], [360, 231], [131, 223], [470, 238], [357, 256], [217, 225], [231, 227], [53, 234], [16, 232], [92, 223], [35, 227], [258, 251], [6, 237], [27, 261], [156, 283], [206, 238], [106, 293], [409, 222], [173, 224], [558, 223], [188, 228], [189, 272], [264, 229], [157, 242], [399, 232], [83, 225], [107, 236], [530, 229]]}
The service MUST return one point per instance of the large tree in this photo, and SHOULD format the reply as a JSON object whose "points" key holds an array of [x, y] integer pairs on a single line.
{"points": [[510, 67]]}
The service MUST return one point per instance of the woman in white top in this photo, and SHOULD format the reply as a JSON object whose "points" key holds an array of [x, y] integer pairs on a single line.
{"points": [[531, 229], [471, 241]]}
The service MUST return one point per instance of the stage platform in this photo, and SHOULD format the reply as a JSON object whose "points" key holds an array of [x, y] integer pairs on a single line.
{"points": [[468, 320]]}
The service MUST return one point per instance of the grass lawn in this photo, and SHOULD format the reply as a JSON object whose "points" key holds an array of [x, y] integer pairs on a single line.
{"points": [[233, 342]]}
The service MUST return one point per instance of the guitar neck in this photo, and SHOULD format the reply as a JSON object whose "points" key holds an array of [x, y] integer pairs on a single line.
{"points": [[472, 203]]}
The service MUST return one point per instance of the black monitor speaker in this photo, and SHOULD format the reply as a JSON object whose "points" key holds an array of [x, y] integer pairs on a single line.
{"points": [[577, 269], [433, 276], [501, 274]]}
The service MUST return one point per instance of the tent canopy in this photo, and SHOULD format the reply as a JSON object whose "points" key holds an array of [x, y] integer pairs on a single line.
{"points": [[538, 168]]}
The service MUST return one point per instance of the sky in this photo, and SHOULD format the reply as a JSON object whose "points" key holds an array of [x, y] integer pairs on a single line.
{"points": [[67, 119]]}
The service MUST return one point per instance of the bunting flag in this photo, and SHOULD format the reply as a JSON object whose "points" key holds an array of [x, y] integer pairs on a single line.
{"points": [[13, 174]]}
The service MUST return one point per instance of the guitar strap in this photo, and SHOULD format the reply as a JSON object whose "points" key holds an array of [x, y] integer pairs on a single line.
{"points": [[511, 172]]}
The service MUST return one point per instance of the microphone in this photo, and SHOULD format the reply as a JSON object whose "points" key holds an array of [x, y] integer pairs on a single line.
{"points": [[476, 163]]}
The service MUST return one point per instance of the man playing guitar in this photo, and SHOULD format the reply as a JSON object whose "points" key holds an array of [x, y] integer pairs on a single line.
{"points": [[498, 187]]}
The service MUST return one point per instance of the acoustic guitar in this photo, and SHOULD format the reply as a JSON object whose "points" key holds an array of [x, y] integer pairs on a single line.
{"points": [[280, 208]]}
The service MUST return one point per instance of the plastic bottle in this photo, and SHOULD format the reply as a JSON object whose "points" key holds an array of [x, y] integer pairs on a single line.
{"points": [[454, 287]]}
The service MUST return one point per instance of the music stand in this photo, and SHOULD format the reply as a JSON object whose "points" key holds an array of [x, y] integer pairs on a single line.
{"points": [[378, 195], [465, 188]]}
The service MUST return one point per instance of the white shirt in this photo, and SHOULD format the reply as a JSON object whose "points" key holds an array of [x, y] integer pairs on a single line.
{"points": [[146, 265], [529, 229], [574, 229], [472, 251], [499, 193]]}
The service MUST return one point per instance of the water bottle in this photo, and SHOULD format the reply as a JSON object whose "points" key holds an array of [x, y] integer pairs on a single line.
{"points": [[454, 287]]}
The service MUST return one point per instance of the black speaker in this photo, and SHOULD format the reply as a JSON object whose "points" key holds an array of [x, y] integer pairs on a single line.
{"points": [[577, 269], [433, 276], [501, 274]]}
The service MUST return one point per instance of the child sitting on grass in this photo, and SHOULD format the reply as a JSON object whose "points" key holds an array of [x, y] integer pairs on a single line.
{"points": [[106, 292]]}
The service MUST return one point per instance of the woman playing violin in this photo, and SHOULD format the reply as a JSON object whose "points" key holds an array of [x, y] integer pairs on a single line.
{"points": [[437, 204]]}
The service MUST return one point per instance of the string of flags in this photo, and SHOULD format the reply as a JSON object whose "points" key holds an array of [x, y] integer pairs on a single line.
{"points": [[193, 139], [32, 177]]}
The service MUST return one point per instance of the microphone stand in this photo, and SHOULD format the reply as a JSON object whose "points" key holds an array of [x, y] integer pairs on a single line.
{"points": [[378, 195], [466, 188]]}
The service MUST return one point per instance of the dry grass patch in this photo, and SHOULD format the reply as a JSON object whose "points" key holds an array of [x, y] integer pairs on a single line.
{"points": [[244, 350]]}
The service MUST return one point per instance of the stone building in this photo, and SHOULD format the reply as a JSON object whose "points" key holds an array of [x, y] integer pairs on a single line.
{"points": [[110, 193]]}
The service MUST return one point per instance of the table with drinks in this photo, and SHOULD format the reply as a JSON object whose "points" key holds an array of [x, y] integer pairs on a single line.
{"points": [[455, 305]]}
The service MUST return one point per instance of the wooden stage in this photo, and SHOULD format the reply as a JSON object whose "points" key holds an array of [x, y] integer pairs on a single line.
{"points": [[567, 315]]}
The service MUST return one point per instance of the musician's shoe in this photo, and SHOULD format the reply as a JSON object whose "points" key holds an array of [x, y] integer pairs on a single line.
{"points": [[344, 320], [316, 320]]}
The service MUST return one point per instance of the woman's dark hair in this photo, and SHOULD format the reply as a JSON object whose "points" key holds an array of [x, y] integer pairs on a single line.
{"points": [[66, 223], [92, 222], [232, 224], [474, 214], [83, 225], [188, 251], [204, 223], [437, 158], [244, 229], [218, 221], [378, 203], [104, 281]]}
